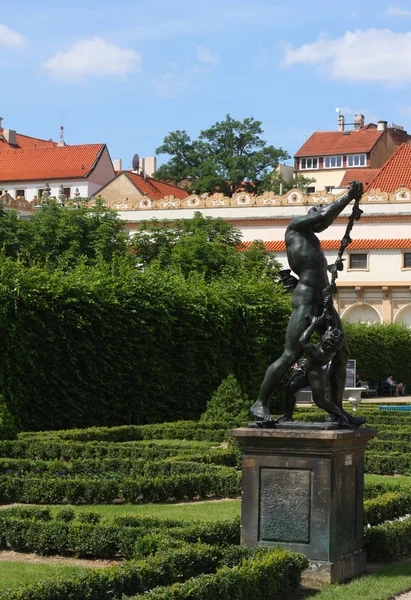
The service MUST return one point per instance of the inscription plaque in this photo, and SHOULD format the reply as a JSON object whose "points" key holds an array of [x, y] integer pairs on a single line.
{"points": [[285, 497]]}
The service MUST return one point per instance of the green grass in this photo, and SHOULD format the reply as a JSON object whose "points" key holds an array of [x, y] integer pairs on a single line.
{"points": [[398, 480], [382, 585], [193, 511], [22, 573], [204, 511]]}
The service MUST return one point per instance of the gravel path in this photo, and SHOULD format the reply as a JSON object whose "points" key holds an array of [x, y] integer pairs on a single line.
{"points": [[10, 555]]}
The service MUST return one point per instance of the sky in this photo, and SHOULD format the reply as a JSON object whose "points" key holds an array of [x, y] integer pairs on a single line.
{"points": [[128, 72]]}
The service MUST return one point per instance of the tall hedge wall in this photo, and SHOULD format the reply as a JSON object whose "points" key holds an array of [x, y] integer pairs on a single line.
{"points": [[107, 345], [380, 350]]}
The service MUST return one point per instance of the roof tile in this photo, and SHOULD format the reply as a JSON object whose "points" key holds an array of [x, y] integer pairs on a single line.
{"points": [[323, 143], [25, 141], [372, 244], [395, 173], [363, 175], [48, 162], [155, 189]]}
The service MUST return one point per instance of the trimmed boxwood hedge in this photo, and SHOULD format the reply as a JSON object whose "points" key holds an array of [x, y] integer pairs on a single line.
{"points": [[389, 541], [81, 490], [388, 506], [272, 577], [282, 572]]}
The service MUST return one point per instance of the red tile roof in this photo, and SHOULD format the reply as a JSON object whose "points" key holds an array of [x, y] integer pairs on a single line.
{"points": [[49, 162], [323, 143], [395, 173], [153, 188], [373, 244], [363, 175], [25, 141]]}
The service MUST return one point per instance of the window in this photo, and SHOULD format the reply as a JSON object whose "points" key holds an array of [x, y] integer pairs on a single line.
{"points": [[20, 193], [310, 190], [40, 193], [309, 163], [359, 261], [407, 260], [333, 162], [356, 160], [330, 188], [67, 192]]}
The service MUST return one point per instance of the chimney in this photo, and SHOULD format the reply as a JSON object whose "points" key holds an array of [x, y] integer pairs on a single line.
{"points": [[118, 164], [10, 136], [381, 125], [149, 165], [1, 121], [341, 122], [358, 122]]}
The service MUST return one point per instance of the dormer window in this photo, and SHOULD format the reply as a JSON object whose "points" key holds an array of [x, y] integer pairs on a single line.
{"points": [[308, 163], [357, 160], [333, 162]]}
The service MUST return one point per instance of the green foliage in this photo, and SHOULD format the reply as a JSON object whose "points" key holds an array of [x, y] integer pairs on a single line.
{"points": [[229, 155], [273, 577], [272, 182], [8, 429], [168, 342], [389, 541], [228, 404], [380, 350], [387, 507]]}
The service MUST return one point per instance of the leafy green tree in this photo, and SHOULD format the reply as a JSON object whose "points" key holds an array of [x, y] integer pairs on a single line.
{"points": [[61, 236], [228, 156], [271, 182]]}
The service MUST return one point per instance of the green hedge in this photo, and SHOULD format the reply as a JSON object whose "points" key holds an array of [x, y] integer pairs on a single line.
{"points": [[387, 463], [81, 490], [67, 450], [179, 430], [390, 541], [272, 577], [113, 467], [114, 539], [168, 342], [387, 507]]}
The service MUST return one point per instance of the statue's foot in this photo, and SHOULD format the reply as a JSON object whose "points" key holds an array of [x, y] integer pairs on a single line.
{"points": [[260, 412], [285, 419], [357, 421]]}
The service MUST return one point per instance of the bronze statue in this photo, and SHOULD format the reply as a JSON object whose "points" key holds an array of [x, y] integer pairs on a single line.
{"points": [[313, 310]]}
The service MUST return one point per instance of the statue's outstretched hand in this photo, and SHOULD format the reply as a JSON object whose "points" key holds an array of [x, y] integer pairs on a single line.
{"points": [[355, 191]]}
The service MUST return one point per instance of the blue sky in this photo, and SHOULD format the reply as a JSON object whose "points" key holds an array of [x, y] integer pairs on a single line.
{"points": [[128, 72]]}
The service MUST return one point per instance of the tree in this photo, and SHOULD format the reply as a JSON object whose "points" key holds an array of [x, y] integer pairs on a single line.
{"points": [[229, 156], [200, 245], [271, 182]]}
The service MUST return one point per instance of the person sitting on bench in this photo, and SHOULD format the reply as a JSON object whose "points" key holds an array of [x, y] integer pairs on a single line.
{"points": [[396, 387]]}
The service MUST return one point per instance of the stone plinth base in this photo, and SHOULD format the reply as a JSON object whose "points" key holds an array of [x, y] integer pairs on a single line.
{"points": [[303, 491]]}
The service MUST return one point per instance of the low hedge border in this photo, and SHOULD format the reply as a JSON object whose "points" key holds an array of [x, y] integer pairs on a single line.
{"points": [[138, 490], [272, 577], [137, 577], [120, 538], [387, 507], [187, 430], [389, 541], [387, 463], [115, 467]]}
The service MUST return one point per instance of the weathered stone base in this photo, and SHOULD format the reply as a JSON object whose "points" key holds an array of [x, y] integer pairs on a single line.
{"points": [[303, 491], [348, 567]]}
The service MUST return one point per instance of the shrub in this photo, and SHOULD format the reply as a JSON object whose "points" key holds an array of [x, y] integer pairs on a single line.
{"points": [[228, 404], [390, 541], [8, 429], [65, 514], [387, 507]]}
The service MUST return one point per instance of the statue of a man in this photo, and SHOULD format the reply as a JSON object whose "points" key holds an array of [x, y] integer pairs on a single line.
{"points": [[307, 260]]}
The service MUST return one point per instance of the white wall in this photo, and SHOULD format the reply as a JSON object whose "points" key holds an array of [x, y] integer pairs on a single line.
{"points": [[31, 188]]}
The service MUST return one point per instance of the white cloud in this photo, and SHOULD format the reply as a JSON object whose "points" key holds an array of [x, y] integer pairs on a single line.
{"points": [[207, 56], [371, 55], [93, 57], [11, 39], [396, 11]]}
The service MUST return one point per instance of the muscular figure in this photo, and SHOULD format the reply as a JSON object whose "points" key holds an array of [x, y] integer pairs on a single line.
{"points": [[308, 261]]}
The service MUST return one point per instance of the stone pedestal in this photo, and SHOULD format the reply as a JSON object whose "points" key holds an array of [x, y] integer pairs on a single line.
{"points": [[303, 491]]}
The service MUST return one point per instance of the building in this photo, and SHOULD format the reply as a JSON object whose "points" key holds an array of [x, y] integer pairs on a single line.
{"points": [[131, 190], [334, 158], [27, 164]]}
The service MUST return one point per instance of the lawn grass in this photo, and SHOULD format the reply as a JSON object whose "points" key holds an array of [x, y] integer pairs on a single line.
{"points": [[385, 584], [190, 511], [404, 480], [22, 573]]}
